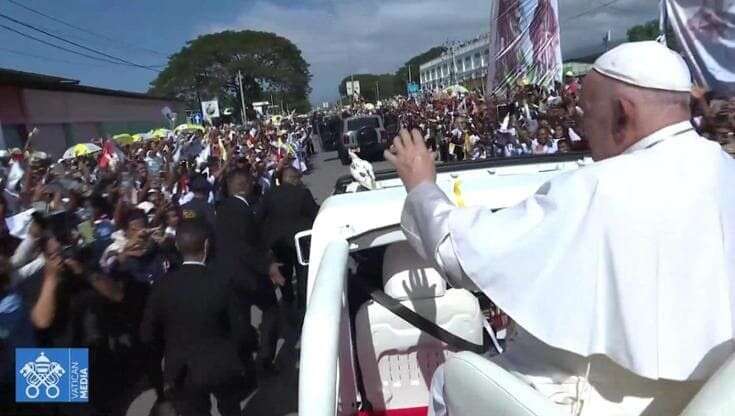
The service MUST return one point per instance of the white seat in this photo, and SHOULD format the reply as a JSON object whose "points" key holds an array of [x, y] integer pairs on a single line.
{"points": [[717, 396], [396, 359], [475, 386]]}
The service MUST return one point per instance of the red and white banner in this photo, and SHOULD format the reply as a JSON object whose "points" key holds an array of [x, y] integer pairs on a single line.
{"points": [[525, 41], [705, 31]]}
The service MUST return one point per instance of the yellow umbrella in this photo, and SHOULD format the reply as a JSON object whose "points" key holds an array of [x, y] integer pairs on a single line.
{"points": [[189, 128], [159, 133], [140, 137], [125, 139], [81, 149]]}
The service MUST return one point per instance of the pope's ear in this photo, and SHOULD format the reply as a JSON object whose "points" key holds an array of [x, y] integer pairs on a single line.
{"points": [[622, 119]]}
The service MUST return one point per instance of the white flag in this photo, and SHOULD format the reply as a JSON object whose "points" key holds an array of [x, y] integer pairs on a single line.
{"points": [[210, 110], [14, 176], [18, 224]]}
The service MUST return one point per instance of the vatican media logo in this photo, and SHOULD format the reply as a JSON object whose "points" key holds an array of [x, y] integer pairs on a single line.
{"points": [[52, 375]]}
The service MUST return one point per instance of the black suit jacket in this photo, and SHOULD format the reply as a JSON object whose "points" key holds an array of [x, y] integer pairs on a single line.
{"points": [[284, 211], [241, 255], [193, 317]]}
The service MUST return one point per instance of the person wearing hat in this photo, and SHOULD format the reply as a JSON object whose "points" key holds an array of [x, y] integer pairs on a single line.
{"points": [[629, 310], [199, 206]]}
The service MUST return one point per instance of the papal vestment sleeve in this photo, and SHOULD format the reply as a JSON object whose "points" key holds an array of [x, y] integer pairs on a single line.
{"points": [[425, 222], [619, 258]]}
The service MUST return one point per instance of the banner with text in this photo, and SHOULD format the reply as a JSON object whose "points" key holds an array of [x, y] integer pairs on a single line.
{"points": [[524, 38], [705, 31]]}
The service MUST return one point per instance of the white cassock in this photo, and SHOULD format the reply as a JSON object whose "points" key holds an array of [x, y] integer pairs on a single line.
{"points": [[620, 276]]}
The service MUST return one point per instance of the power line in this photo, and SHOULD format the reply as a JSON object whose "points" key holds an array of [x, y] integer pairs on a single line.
{"points": [[16, 21], [81, 29], [588, 11], [46, 58], [96, 58]]}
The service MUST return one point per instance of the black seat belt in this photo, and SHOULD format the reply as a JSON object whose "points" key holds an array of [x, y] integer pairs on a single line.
{"points": [[422, 323]]}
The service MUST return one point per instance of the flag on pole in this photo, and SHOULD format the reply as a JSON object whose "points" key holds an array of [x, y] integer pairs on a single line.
{"points": [[705, 30]]}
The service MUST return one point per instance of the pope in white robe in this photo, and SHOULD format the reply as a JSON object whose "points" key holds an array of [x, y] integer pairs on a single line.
{"points": [[619, 276]]}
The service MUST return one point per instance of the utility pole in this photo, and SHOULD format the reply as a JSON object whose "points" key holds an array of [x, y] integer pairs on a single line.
{"points": [[454, 64], [352, 80], [242, 97], [377, 91]]}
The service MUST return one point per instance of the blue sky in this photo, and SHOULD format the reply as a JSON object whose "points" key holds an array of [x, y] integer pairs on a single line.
{"points": [[336, 36]]}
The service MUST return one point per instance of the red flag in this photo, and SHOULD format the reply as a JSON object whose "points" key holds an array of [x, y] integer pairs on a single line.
{"points": [[109, 156]]}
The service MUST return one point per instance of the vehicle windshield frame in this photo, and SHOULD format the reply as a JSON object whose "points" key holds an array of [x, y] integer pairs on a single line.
{"points": [[373, 120]]}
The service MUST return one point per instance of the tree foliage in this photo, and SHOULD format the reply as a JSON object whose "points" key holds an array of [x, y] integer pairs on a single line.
{"points": [[650, 31], [390, 84], [386, 83], [207, 67], [415, 64], [646, 31]]}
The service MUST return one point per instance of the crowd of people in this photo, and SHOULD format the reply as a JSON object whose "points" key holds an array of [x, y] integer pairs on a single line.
{"points": [[525, 120], [106, 250], [462, 125]]}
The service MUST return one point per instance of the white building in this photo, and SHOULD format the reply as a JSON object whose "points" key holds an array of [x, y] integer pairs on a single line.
{"points": [[465, 63]]}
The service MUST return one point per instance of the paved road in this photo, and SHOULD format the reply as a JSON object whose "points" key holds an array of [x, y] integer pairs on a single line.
{"points": [[278, 395], [327, 169]]}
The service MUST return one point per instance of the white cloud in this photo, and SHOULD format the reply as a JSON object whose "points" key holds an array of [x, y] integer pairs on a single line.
{"points": [[342, 36]]}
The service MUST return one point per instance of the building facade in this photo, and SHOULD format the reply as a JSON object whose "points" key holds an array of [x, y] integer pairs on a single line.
{"points": [[67, 113], [465, 64]]}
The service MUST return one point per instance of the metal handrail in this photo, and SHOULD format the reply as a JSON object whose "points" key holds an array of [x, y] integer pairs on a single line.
{"points": [[320, 335]]}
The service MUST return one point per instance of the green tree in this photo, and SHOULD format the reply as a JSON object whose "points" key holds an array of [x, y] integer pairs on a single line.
{"points": [[415, 63], [207, 67], [386, 86], [650, 31], [391, 84], [646, 31]]}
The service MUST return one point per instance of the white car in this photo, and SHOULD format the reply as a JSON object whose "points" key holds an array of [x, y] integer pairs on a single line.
{"points": [[358, 357]]}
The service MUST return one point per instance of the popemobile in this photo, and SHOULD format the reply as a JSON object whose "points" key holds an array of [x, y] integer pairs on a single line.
{"points": [[380, 319]]}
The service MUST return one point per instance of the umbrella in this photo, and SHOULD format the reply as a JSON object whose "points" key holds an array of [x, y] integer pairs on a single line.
{"points": [[160, 133], [81, 149], [125, 139], [140, 137], [455, 89], [188, 128]]}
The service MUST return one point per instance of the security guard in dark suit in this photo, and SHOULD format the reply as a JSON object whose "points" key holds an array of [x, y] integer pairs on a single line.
{"points": [[244, 260], [284, 211], [192, 317]]}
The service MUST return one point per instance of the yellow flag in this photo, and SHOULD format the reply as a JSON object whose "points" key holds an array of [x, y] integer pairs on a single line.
{"points": [[457, 191]]}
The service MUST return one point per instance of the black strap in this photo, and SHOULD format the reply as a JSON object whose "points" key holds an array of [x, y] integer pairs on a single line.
{"points": [[422, 323]]}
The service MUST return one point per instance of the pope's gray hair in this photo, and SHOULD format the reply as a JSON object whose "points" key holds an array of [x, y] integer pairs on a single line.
{"points": [[654, 97]]}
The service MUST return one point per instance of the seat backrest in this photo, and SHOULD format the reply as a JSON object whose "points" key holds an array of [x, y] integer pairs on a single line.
{"points": [[475, 386], [396, 359], [717, 396], [406, 275]]}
